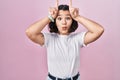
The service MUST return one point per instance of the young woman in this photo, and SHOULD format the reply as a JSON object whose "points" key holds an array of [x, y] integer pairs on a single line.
{"points": [[63, 46]]}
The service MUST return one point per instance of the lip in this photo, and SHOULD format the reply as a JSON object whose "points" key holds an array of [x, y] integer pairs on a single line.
{"points": [[64, 28]]}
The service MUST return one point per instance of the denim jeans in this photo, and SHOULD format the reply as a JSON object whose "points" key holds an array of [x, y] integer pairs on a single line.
{"points": [[51, 79]]}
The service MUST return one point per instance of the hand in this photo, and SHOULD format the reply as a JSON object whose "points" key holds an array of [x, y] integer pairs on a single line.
{"points": [[53, 11], [73, 11]]}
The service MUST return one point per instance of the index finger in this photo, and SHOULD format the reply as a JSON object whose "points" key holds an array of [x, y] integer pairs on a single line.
{"points": [[70, 4], [56, 4]]}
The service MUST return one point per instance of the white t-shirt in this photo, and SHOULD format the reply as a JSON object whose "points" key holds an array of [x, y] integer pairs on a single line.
{"points": [[63, 53]]}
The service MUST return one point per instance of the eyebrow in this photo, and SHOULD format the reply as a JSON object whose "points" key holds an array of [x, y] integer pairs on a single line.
{"points": [[65, 15]]}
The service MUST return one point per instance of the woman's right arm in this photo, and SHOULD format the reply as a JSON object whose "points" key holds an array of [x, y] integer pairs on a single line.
{"points": [[34, 30]]}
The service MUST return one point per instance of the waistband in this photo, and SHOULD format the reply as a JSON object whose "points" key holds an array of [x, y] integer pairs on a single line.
{"points": [[70, 78]]}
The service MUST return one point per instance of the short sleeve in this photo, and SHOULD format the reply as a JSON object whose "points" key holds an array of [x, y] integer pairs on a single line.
{"points": [[80, 38], [46, 39]]}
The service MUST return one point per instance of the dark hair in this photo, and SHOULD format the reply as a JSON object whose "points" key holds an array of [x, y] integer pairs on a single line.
{"points": [[53, 27]]}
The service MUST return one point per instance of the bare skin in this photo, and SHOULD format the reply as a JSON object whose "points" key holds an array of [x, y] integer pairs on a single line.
{"points": [[63, 19], [63, 22]]}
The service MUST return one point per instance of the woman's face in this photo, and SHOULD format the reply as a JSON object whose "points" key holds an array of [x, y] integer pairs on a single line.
{"points": [[63, 22]]}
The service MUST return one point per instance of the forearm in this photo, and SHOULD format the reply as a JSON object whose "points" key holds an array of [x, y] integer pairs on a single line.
{"points": [[91, 26], [38, 26]]}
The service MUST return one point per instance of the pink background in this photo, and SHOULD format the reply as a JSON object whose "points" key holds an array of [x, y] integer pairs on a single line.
{"points": [[21, 59]]}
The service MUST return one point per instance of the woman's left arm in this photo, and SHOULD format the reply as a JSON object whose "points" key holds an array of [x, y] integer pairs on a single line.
{"points": [[95, 30]]}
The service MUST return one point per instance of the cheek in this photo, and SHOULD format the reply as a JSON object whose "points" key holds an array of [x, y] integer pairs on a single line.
{"points": [[57, 23], [70, 23]]}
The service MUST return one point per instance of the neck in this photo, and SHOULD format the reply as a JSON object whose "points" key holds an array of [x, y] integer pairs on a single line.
{"points": [[63, 33]]}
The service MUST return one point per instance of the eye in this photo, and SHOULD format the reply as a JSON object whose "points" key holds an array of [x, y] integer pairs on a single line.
{"points": [[59, 18], [68, 18]]}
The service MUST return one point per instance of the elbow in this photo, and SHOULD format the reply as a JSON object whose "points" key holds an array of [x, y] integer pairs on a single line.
{"points": [[99, 31], [102, 30], [29, 34]]}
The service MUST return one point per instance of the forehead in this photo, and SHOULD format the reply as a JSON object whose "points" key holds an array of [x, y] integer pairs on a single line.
{"points": [[63, 13]]}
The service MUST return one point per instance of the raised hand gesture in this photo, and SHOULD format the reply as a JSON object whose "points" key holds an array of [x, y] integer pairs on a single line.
{"points": [[54, 10], [73, 11]]}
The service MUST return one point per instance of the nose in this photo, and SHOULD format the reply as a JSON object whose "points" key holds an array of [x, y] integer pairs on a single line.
{"points": [[63, 21]]}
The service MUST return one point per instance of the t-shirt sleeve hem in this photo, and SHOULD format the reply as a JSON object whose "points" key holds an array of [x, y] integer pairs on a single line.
{"points": [[45, 40], [83, 39]]}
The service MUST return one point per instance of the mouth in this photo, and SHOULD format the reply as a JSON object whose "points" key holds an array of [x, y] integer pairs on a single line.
{"points": [[64, 28]]}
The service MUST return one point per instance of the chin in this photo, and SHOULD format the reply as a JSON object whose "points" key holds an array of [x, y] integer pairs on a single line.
{"points": [[64, 33]]}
